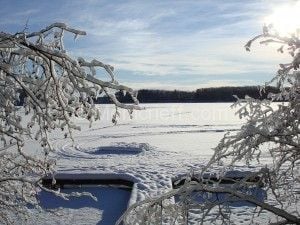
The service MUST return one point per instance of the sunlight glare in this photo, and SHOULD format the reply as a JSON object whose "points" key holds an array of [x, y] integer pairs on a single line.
{"points": [[285, 18]]}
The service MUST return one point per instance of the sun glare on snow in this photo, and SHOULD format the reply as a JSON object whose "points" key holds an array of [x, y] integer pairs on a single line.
{"points": [[285, 18]]}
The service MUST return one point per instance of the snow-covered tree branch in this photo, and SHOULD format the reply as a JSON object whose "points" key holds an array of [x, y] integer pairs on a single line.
{"points": [[56, 89], [271, 131]]}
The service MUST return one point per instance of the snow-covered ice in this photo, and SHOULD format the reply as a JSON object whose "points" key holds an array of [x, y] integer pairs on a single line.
{"points": [[158, 144], [109, 207]]}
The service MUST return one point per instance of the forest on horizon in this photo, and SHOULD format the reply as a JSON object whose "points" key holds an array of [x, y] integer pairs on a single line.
{"points": [[213, 94]]}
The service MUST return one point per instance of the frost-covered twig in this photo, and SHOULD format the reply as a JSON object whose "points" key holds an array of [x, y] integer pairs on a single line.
{"points": [[52, 88], [270, 130]]}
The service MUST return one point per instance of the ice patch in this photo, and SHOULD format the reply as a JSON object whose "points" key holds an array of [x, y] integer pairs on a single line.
{"points": [[115, 150], [111, 203], [121, 149], [230, 180], [118, 148]]}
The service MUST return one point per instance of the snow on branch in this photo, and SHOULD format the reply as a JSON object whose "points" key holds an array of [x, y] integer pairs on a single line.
{"points": [[271, 131], [38, 77]]}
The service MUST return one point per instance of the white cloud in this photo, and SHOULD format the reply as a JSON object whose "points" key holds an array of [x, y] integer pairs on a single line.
{"points": [[214, 50], [208, 57], [165, 38]]}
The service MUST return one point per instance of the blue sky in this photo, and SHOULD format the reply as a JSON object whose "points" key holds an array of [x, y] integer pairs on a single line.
{"points": [[164, 44]]}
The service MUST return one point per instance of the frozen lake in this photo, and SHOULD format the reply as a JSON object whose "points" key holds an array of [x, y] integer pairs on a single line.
{"points": [[150, 150], [190, 128]]}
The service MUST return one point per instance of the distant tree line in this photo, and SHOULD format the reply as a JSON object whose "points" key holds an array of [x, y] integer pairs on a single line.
{"points": [[217, 94]]}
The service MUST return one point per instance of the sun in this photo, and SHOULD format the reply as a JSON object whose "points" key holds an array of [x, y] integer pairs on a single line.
{"points": [[285, 18]]}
